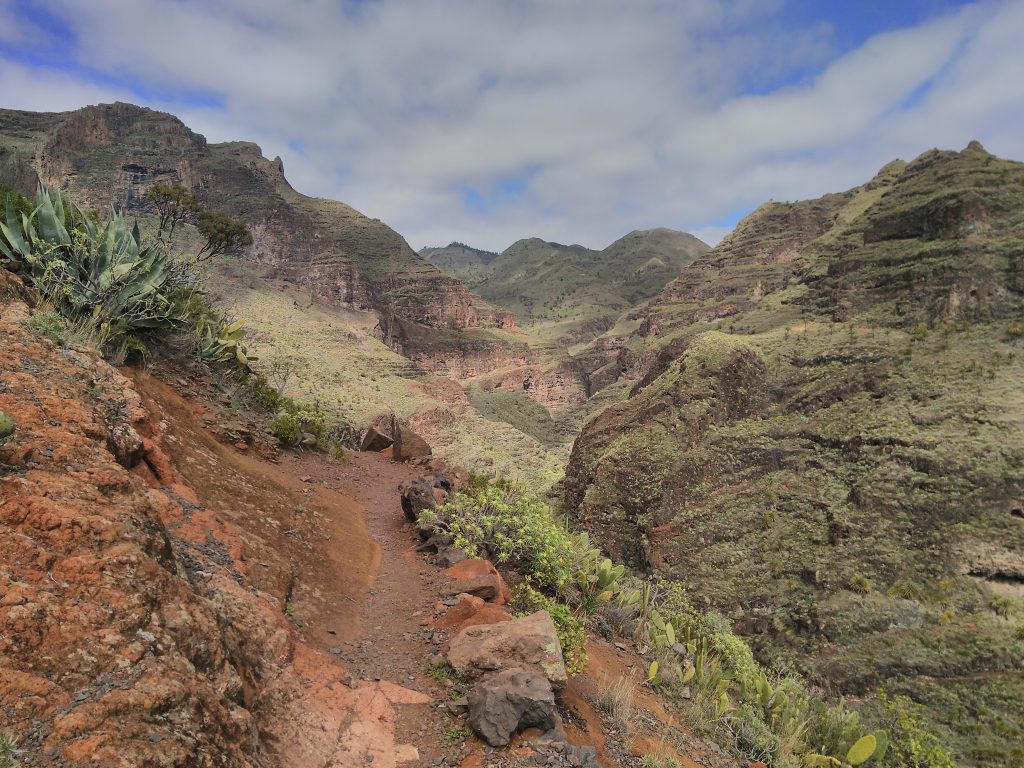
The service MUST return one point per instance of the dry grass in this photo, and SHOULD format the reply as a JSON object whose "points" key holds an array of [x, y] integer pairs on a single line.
{"points": [[616, 697]]}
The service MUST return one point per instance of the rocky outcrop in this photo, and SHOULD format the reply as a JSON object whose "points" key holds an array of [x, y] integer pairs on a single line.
{"points": [[101, 622], [132, 631], [109, 155]]}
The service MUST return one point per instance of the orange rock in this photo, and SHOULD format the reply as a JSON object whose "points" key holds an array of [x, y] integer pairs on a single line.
{"points": [[469, 570], [470, 611], [489, 614]]}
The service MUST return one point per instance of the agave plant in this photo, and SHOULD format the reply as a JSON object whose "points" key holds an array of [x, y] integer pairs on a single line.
{"points": [[98, 274]]}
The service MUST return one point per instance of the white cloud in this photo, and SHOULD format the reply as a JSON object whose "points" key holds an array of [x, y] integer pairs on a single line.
{"points": [[611, 115]]}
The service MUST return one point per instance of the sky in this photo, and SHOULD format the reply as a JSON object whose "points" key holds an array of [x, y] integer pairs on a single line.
{"points": [[486, 121]]}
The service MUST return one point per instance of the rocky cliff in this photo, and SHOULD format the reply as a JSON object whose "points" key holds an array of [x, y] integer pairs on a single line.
{"points": [[109, 155], [826, 440]]}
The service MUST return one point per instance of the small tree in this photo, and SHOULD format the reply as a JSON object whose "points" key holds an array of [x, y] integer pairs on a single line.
{"points": [[222, 234], [174, 203], [280, 372]]}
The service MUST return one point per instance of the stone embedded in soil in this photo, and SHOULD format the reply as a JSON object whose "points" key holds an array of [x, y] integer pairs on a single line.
{"points": [[510, 701], [474, 573]]}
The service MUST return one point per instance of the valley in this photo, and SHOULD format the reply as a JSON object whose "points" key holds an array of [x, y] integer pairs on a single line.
{"points": [[805, 444]]}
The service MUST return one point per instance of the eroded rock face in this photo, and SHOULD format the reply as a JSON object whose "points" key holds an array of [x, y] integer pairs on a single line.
{"points": [[805, 442], [108, 653], [130, 633], [111, 154]]}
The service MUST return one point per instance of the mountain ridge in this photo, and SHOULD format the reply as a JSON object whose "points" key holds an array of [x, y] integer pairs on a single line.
{"points": [[108, 155], [824, 440], [577, 290]]}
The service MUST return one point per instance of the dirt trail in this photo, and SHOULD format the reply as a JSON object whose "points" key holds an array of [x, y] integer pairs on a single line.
{"points": [[328, 538]]}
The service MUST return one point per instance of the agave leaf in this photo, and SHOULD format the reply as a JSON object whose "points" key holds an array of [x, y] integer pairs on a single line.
{"points": [[12, 232], [50, 225]]}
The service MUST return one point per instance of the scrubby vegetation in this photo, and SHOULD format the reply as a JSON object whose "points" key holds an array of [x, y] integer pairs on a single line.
{"points": [[105, 287], [694, 657], [824, 443], [102, 277], [9, 751]]}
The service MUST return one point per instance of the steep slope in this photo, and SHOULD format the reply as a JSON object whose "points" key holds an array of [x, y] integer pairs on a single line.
{"points": [[110, 154], [151, 616], [340, 295], [826, 441], [570, 293], [459, 260]]}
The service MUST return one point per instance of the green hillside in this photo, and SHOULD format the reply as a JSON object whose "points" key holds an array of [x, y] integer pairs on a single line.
{"points": [[826, 441]]}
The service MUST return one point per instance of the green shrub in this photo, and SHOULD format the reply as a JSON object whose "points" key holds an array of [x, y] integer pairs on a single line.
{"points": [[496, 520], [285, 428], [911, 743], [571, 630], [7, 426], [860, 584], [291, 423], [20, 205], [102, 277], [1015, 331], [49, 324]]}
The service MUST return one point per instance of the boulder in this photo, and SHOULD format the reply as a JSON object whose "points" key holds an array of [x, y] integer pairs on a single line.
{"points": [[409, 445], [418, 495], [475, 577], [510, 701], [374, 441], [529, 643], [425, 492]]}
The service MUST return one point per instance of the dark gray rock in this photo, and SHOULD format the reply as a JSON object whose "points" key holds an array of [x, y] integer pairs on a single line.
{"points": [[508, 702]]}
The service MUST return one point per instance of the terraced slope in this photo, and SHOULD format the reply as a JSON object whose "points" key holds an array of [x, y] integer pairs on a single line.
{"points": [[825, 441]]}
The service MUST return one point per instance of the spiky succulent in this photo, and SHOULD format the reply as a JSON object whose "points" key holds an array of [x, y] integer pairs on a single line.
{"points": [[97, 273]]}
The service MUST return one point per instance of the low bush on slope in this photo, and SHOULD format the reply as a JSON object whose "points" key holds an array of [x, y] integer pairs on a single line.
{"points": [[694, 657]]}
